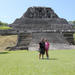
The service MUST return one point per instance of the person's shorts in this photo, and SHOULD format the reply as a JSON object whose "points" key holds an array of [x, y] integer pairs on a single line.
{"points": [[42, 51]]}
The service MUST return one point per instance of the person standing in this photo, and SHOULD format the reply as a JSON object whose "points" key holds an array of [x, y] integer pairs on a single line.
{"points": [[42, 48], [47, 48]]}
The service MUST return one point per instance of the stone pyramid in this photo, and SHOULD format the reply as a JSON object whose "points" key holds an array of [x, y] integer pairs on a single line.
{"points": [[41, 22]]}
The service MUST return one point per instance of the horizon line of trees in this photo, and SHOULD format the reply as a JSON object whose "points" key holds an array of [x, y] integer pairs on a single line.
{"points": [[3, 23], [72, 22]]}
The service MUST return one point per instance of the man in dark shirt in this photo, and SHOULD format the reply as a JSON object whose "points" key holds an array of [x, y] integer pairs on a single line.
{"points": [[42, 48]]}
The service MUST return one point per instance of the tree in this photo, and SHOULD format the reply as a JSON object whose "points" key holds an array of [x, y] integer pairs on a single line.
{"points": [[73, 22], [3, 24]]}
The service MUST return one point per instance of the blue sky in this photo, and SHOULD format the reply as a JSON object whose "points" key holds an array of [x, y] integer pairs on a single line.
{"points": [[12, 9]]}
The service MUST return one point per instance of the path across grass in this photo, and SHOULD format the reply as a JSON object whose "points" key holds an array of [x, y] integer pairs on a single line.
{"points": [[61, 62]]}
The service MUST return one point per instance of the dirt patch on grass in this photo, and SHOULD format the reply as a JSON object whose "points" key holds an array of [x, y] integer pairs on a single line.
{"points": [[7, 41]]}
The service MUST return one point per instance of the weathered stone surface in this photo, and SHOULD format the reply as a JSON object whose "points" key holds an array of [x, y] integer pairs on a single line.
{"points": [[41, 18], [40, 12], [8, 32]]}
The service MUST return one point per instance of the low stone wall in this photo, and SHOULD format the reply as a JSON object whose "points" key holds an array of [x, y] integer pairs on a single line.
{"points": [[8, 32], [53, 46]]}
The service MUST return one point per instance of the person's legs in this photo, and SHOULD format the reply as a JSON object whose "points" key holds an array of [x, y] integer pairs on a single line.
{"points": [[47, 54], [43, 52], [39, 55], [42, 56]]}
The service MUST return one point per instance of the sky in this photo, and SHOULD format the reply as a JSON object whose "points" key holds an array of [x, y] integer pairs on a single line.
{"points": [[12, 9]]}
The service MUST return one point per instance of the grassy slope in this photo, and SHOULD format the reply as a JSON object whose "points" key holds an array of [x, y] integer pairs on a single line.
{"points": [[7, 41], [4, 27], [62, 62]]}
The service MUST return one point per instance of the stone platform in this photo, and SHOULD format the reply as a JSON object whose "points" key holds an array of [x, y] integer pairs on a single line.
{"points": [[41, 22]]}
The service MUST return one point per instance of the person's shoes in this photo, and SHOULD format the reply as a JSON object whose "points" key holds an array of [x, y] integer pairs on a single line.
{"points": [[48, 58], [39, 58], [42, 58]]}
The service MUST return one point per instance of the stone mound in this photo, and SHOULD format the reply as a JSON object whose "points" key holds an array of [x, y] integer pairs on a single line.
{"points": [[42, 19]]}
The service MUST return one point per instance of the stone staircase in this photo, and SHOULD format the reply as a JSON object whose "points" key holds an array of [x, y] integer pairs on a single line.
{"points": [[22, 42]]}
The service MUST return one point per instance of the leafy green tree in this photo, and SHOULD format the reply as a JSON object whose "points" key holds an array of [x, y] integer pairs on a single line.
{"points": [[74, 22], [3, 24]]}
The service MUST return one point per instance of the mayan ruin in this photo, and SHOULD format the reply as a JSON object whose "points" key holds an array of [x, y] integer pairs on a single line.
{"points": [[41, 22]]}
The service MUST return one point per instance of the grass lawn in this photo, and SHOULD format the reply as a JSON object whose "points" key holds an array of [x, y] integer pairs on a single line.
{"points": [[4, 27], [61, 62]]}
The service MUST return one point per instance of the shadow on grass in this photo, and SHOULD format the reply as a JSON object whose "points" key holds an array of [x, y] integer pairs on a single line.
{"points": [[50, 59], [53, 59], [3, 52]]}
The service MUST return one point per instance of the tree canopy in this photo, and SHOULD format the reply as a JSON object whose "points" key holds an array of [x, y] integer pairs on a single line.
{"points": [[72, 22], [3, 24]]}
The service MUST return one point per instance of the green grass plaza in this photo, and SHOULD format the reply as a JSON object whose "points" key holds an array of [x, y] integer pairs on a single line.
{"points": [[61, 62], [25, 24]]}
